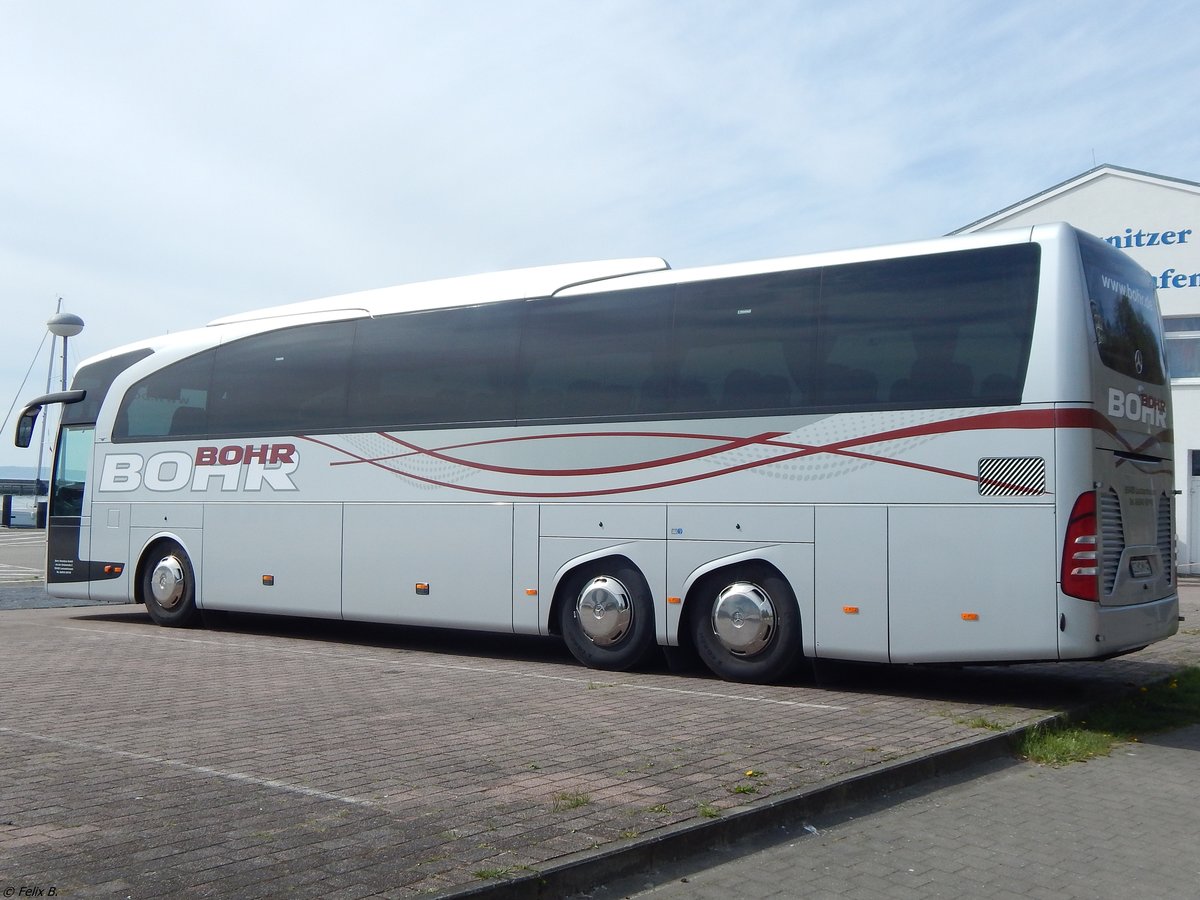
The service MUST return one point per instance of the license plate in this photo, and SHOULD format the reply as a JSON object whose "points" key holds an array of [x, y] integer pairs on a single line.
{"points": [[1139, 567]]}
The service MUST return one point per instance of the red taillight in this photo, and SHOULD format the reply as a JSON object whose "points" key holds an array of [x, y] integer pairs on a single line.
{"points": [[1080, 571]]}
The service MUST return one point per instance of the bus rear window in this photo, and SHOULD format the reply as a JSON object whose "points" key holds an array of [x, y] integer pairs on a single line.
{"points": [[1124, 311]]}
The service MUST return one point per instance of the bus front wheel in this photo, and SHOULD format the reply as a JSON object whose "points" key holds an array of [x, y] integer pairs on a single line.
{"points": [[607, 617], [168, 586], [747, 625]]}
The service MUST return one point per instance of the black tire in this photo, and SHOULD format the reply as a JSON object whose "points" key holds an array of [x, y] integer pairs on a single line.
{"points": [[168, 586], [778, 634], [612, 640]]}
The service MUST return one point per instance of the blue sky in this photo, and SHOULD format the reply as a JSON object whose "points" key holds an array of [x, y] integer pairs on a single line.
{"points": [[164, 163]]}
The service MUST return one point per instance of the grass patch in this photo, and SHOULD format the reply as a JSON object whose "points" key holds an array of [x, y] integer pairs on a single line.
{"points": [[1160, 707], [982, 722], [570, 801], [743, 789], [708, 810], [1060, 746], [488, 874]]}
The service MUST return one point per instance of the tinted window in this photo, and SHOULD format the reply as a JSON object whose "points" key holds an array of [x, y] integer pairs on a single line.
{"points": [[1124, 311], [944, 330], [745, 344], [443, 366], [96, 379], [949, 329], [170, 402], [282, 381], [596, 356]]}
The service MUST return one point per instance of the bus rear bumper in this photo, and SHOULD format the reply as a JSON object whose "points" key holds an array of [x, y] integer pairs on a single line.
{"points": [[1120, 629]]}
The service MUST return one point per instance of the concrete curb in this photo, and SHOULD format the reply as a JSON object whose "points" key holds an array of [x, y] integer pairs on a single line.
{"points": [[676, 844]]}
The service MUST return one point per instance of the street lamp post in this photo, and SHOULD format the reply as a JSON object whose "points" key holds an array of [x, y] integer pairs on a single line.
{"points": [[61, 325], [64, 325]]}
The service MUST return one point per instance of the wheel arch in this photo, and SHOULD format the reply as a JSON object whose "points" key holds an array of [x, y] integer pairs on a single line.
{"points": [[699, 582], [756, 631], [145, 554], [562, 578]]}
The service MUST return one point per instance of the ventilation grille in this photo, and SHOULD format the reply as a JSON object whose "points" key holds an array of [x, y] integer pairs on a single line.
{"points": [[1012, 476], [1112, 539], [1166, 542]]}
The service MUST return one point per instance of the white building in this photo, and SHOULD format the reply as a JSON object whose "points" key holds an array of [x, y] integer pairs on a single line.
{"points": [[1156, 220]]}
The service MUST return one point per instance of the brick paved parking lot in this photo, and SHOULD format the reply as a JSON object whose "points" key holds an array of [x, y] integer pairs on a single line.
{"points": [[22, 556], [275, 758]]}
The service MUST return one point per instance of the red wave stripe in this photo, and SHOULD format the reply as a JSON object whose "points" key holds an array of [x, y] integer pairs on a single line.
{"points": [[1076, 417], [730, 443]]}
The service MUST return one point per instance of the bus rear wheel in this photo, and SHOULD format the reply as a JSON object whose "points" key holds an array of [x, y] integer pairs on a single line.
{"points": [[607, 617], [168, 586], [747, 625]]}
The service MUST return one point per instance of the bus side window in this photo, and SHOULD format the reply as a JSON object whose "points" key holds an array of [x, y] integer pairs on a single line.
{"points": [[149, 407], [999, 388], [846, 386], [934, 376], [591, 355], [188, 420]]}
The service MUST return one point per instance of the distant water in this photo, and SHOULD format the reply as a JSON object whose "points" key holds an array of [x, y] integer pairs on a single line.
{"points": [[18, 473]]}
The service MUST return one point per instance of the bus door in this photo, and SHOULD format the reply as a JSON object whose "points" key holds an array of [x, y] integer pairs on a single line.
{"points": [[68, 530]]}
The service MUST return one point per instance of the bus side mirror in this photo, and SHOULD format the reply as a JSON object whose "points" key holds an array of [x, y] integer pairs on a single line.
{"points": [[29, 414], [25, 424]]}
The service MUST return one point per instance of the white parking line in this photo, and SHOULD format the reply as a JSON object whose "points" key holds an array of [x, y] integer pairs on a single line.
{"points": [[199, 770], [478, 670], [10, 574], [20, 538]]}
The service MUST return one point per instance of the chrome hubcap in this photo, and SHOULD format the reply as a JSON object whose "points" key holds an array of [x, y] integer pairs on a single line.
{"points": [[743, 618], [604, 611], [167, 582]]}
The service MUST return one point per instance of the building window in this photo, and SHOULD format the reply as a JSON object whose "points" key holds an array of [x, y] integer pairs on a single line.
{"points": [[1182, 334], [1181, 323], [1183, 355]]}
